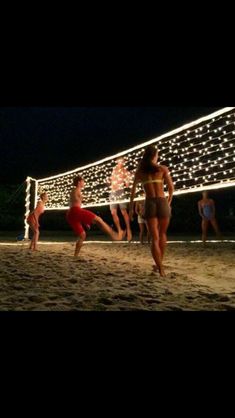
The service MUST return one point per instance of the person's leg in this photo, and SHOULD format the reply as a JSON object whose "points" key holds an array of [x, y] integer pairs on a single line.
{"points": [[115, 236], [116, 219], [148, 233], [127, 222], [205, 223], [216, 228], [73, 217], [163, 226], [141, 226], [155, 248], [79, 243], [32, 239], [35, 237]]}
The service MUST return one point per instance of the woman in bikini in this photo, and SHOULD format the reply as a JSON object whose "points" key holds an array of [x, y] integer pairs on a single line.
{"points": [[157, 207], [33, 219], [206, 208]]}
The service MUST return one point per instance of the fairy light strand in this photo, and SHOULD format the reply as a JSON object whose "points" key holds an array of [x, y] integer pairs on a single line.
{"points": [[200, 155]]}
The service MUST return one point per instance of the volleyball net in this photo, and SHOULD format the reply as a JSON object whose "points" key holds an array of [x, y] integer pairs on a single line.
{"points": [[200, 156]]}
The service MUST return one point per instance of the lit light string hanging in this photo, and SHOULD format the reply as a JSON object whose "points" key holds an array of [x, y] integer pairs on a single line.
{"points": [[29, 181], [200, 156], [27, 207]]}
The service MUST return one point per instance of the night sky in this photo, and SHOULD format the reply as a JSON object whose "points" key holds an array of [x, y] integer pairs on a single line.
{"points": [[44, 141]]}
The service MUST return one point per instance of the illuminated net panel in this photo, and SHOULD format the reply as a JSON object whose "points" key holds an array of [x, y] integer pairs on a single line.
{"points": [[200, 155]]}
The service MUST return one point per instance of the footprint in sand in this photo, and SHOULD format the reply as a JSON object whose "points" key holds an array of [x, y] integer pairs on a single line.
{"points": [[228, 307], [211, 296], [168, 293], [223, 299], [73, 281], [128, 298], [105, 301], [37, 299], [153, 301], [191, 297]]}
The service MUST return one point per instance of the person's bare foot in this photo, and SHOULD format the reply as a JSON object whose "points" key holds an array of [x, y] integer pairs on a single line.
{"points": [[162, 272], [77, 252], [121, 235], [159, 270], [116, 236], [129, 235]]}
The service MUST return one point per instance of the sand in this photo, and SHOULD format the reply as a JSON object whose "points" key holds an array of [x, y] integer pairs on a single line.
{"points": [[117, 277]]}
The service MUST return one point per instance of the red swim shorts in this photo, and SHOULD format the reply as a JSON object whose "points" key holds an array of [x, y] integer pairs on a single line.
{"points": [[76, 217]]}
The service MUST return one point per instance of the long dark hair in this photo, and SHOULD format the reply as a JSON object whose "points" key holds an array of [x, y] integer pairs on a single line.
{"points": [[146, 164]]}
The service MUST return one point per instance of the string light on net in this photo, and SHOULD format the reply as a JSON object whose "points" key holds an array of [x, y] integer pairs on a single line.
{"points": [[185, 150]]}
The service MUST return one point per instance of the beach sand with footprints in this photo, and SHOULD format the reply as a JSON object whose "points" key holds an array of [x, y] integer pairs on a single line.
{"points": [[117, 277]]}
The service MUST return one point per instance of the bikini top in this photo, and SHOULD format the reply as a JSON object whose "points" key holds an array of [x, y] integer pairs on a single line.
{"points": [[160, 181]]}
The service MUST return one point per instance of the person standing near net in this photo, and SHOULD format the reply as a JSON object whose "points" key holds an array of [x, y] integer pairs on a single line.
{"points": [[152, 176], [206, 208], [79, 218], [33, 220], [119, 180], [139, 210]]}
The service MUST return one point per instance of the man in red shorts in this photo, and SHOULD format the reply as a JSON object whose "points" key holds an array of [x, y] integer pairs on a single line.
{"points": [[77, 217]]}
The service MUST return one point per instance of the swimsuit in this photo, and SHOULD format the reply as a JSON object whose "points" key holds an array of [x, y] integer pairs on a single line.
{"points": [[154, 207], [208, 212], [78, 217], [157, 207], [141, 220], [152, 181], [117, 195], [34, 216]]}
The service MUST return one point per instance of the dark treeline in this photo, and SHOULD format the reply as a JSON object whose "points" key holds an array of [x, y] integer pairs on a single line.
{"points": [[185, 217], [12, 207]]}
